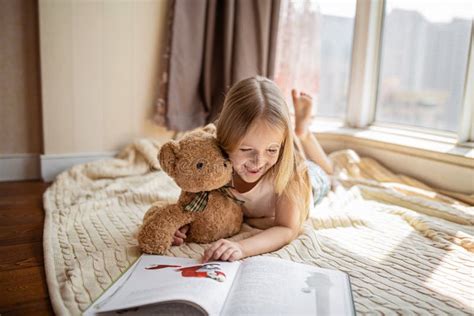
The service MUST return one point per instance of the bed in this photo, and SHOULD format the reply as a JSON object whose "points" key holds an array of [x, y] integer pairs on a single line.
{"points": [[407, 248]]}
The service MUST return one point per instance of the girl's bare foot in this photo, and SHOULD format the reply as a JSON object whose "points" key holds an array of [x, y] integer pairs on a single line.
{"points": [[303, 105]]}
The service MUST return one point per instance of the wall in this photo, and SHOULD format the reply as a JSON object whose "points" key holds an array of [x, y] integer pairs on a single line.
{"points": [[100, 61], [20, 99]]}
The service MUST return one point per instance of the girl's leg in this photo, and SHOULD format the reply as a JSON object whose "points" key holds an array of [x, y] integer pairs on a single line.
{"points": [[315, 152], [307, 141], [300, 147]]}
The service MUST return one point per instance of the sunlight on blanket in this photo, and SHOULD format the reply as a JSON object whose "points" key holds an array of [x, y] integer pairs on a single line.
{"points": [[361, 228], [454, 290]]}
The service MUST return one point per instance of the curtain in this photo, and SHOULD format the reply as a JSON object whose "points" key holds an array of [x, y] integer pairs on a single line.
{"points": [[211, 44]]}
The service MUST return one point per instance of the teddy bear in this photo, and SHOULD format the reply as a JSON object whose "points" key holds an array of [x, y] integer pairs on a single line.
{"points": [[200, 168]]}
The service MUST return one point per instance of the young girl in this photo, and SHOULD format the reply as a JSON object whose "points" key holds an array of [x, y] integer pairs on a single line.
{"points": [[271, 173]]}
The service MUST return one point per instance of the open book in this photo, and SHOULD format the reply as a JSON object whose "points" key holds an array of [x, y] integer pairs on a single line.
{"points": [[258, 285]]}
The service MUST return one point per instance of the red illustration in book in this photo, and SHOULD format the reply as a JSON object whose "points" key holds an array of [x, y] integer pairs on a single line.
{"points": [[208, 270]]}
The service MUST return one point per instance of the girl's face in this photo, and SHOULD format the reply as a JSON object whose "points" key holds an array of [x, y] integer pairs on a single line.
{"points": [[257, 152]]}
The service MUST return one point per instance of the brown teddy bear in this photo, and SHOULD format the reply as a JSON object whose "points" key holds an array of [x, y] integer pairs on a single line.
{"points": [[200, 169]]}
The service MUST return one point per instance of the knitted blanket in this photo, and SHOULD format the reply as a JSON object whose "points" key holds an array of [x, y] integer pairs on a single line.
{"points": [[407, 248]]}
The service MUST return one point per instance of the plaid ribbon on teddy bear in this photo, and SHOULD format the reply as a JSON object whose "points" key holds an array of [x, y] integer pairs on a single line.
{"points": [[199, 202]]}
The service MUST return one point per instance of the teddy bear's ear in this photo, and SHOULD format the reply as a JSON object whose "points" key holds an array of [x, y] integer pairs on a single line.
{"points": [[167, 157], [210, 128]]}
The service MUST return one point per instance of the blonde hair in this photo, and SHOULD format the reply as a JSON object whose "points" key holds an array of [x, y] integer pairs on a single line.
{"points": [[260, 98]]}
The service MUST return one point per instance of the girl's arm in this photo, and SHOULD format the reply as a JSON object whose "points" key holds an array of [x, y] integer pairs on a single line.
{"points": [[260, 222], [287, 228], [268, 240]]}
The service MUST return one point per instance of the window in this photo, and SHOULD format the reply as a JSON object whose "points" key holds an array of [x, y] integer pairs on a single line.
{"points": [[397, 63], [424, 58], [314, 52]]}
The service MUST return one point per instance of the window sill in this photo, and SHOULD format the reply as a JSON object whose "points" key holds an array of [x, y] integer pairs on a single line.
{"points": [[435, 147]]}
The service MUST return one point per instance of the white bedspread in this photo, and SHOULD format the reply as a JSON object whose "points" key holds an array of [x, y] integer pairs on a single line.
{"points": [[406, 248]]}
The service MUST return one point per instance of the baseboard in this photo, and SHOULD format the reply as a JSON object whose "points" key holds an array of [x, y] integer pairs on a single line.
{"points": [[54, 164], [16, 167]]}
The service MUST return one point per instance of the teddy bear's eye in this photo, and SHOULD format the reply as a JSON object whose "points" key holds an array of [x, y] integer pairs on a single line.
{"points": [[199, 165]]}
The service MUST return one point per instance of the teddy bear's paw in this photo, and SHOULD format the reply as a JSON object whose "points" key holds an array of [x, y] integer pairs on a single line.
{"points": [[153, 249], [153, 241]]}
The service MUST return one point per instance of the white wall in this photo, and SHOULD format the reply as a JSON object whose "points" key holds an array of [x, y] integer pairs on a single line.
{"points": [[99, 68]]}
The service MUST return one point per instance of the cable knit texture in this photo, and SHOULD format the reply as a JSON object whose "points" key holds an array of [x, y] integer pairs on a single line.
{"points": [[407, 248]]}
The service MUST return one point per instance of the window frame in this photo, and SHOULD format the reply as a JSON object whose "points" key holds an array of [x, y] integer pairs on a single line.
{"points": [[466, 128], [365, 63]]}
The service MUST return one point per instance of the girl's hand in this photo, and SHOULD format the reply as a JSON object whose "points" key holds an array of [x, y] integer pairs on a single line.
{"points": [[224, 250], [180, 236]]}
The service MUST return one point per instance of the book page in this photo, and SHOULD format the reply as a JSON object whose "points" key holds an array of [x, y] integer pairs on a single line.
{"points": [[166, 279], [273, 286], [172, 308], [92, 309]]}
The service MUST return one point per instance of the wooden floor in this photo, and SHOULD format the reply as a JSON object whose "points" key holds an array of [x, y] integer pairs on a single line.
{"points": [[23, 289]]}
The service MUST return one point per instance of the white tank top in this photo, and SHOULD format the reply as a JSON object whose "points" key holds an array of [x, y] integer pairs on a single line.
{"points": [[260, 201]]}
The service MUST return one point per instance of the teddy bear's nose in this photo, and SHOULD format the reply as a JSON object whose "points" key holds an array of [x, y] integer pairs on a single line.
{"points": [[199, 165]]}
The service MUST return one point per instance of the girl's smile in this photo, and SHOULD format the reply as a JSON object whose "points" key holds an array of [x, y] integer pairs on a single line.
{"points": [[253, 173]]}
